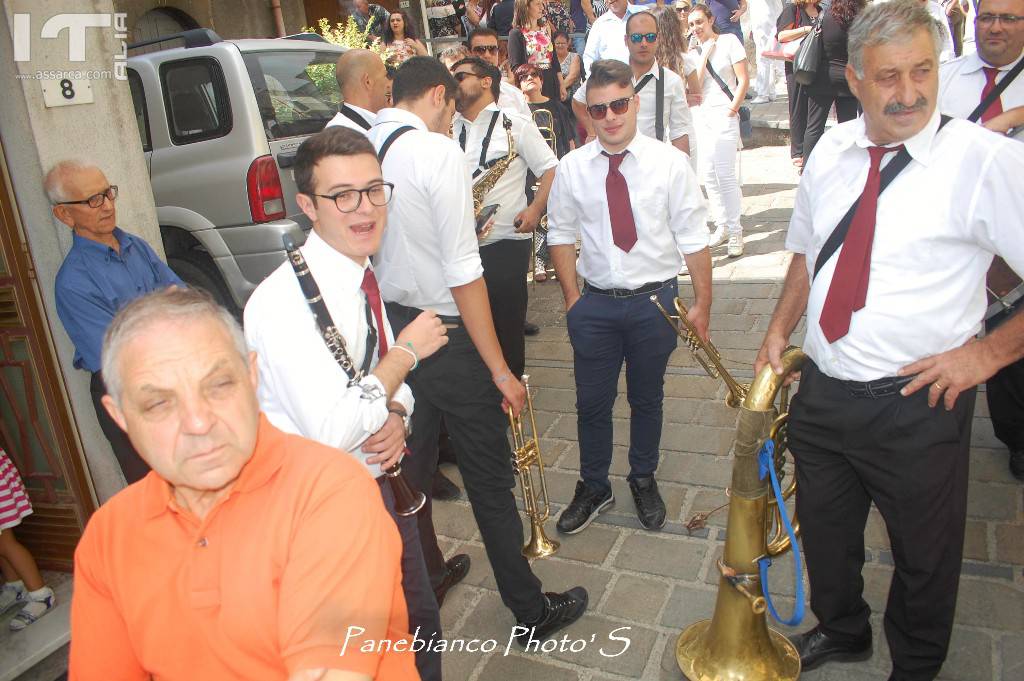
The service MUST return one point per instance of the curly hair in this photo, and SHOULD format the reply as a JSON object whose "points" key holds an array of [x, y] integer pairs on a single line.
{"points": [[671, 43], [407, 26], [845, 11]]}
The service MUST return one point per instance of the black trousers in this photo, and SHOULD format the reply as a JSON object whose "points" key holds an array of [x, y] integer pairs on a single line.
{"points": [[818, 105], [797, 113], [506, 263], [1005, 395], [455, 383], [132, 465], [911, 461]]}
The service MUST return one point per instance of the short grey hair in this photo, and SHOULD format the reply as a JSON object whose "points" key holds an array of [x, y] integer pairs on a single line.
{"points": [[56, 178], [453, 54], [171, 303], [881, 23]]}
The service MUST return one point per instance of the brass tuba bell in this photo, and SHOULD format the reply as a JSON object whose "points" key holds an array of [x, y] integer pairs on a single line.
{"points": [[525, 453]]}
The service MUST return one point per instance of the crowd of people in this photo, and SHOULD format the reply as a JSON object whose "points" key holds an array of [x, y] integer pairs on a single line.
{"points": [[266, 532]]}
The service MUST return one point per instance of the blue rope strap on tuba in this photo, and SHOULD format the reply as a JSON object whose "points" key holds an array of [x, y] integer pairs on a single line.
{"points": [[766, 468]]}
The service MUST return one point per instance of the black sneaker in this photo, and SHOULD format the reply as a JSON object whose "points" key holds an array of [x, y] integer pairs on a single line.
{"points": [[815, 648], [443, 489], [586, 504], [650, 508], [560, 610], [456, 569], [530, 329], [1017, 464]]}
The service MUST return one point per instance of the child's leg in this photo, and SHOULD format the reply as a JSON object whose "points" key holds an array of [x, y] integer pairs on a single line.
{"points": [[18, 557], [7, 570]]}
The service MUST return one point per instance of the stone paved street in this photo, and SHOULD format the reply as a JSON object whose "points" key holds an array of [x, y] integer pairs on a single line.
{"points": [[647, 586]]}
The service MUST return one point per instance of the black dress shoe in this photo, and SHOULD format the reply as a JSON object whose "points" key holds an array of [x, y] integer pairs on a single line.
{"points": [[456, 568], [650, 508], [586, 504], [443, 489], [560, 610], [530, 329], [816, 648], [1017, 464]]}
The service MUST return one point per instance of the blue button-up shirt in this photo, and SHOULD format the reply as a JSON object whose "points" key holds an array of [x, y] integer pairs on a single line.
{"points": [[95, 281]]}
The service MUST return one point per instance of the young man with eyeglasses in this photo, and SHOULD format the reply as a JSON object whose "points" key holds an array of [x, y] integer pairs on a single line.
{"points": [[483, 43], [105, 268], [660, 90], [964, 84], [303, 389], [637, 206]]}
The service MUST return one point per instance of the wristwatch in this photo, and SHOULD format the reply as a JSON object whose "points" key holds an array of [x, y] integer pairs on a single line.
{"points": [[396, 408]]}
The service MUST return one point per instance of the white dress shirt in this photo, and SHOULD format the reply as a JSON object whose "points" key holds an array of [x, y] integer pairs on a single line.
{"points": [[302, 389], [962, 80], [946, 51], [511, 97], [429, 245], [346, 122], [676, 114], [606, 40], [668, 209], [510, 192], [938, 225]]}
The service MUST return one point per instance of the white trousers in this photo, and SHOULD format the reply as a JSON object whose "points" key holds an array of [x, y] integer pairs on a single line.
{"points": [[763, 16], [719, 136]]}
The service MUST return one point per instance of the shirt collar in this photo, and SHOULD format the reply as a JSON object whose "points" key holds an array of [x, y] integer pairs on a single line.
{"points": [[401, 116], [267, 458], [492, 107], [653, 71], [124, 239], [367, 115], [919, 146], [333, 270], [635, 147], [973, 63]]}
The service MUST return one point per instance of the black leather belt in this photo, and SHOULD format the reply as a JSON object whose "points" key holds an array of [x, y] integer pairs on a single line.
{"points": [[626, 292], [882, 387], [411, 313]]}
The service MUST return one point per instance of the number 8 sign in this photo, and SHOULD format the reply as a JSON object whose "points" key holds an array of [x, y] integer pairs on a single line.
{"points": [[66, 91]]}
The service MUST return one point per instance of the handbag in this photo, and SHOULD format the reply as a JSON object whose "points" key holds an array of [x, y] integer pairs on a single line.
{"points": [[786, 51], [808, 55], [743, 113]]}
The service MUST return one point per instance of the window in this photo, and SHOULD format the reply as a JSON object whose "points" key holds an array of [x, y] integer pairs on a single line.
{"points": [[196, 99], [296, 90], [139, 103]]}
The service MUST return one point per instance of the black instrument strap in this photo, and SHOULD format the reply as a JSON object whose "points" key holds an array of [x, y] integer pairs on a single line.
{"points": [[889, 173], [351, 114], [391, 140], [482, 165], [996, 92], [659, 94]]}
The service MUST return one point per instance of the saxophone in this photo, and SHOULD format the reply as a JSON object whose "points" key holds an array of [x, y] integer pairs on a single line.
{"points": [[486, 182]]}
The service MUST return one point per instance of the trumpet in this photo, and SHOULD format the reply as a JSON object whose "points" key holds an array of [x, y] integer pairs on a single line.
{"points": [[525, 453], [704, 352]]}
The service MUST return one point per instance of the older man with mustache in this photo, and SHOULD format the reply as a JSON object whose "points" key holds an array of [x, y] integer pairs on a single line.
{"points": [[893, 283]]}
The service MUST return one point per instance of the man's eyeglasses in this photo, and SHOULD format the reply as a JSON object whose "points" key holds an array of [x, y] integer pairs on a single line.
{"points": [[618, 107], [349, 200], [485, 49], [637, 38], [96, 200], [463, 75], [1007, 20]]}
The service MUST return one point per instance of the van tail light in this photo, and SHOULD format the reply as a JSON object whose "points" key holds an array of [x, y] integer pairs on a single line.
{"points": [[266, 196]]}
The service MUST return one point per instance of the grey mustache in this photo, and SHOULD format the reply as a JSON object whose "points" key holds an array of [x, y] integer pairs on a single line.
{"points": [[896, 107]]}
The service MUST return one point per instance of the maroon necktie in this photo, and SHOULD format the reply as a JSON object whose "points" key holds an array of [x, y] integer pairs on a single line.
{"points": [[996, 107], [849, 288], [372, 292], [620, 210]]}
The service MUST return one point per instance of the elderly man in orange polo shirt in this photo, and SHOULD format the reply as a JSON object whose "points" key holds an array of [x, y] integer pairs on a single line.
{"points": [[214, 566]]}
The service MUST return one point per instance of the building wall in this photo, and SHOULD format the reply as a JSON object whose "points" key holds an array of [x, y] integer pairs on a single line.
{"points": [[229, 18]]}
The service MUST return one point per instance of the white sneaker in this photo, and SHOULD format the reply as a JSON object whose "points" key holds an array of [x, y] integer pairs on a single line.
{"points": [[735, 245], [11, 595], [37, 604], [761, 99], [717, 237]]}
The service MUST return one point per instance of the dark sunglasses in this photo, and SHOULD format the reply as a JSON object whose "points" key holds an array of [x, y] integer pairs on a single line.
{"points": [[463, 75], [96, 200], [618, 107], [637, 38], [485, 49]]}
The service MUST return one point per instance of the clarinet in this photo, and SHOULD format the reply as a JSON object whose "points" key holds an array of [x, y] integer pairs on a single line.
{"points": [[407, 500]]}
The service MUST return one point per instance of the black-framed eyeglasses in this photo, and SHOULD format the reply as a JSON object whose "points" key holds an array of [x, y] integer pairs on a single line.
{"points": [[96, 200], [1007, 20], [485, 49], [463, 75], [349, 200], [618, 107], [637, 38]]}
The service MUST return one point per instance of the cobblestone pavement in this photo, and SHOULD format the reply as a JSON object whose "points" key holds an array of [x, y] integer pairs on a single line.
{"points": [[657, 583]]}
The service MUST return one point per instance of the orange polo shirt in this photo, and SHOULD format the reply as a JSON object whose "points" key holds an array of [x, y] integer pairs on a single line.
{"points": [[280, 576]]}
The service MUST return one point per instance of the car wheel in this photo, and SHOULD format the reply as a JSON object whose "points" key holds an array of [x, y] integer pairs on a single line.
{"points": [[200, 275]]}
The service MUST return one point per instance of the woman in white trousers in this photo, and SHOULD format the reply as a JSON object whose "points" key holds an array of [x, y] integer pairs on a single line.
{"points": [[718, 124]]}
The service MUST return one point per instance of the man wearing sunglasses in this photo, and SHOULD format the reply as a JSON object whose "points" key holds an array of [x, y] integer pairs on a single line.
{"points": [[483, 43], [964, 83], [105, 268], [663, 111], [639, 211], [303, 389]]}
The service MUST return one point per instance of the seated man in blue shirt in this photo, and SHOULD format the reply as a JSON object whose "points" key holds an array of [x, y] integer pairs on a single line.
{"points": [[105, 268]]}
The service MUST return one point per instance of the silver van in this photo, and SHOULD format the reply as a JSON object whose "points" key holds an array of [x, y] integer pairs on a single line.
{"points": [[220, 121]]}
